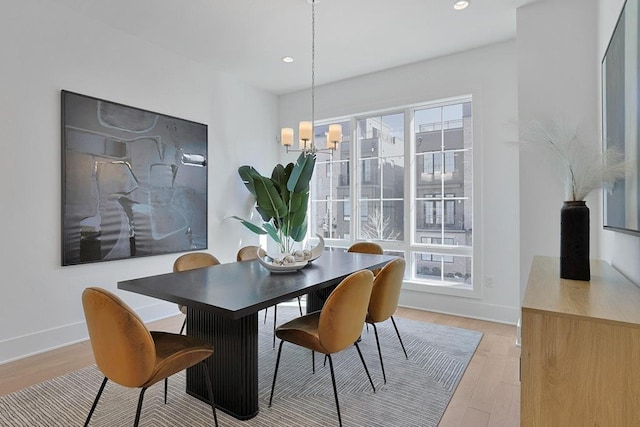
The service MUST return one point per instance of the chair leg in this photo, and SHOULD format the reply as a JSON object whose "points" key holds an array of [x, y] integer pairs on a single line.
{"points": [[265, 315], [335, 390], [300, 306], [183, 325], [375, 329], [166, 382], [275, 316], [313, 361], [135, 423], [275, 372], [363, 364], [398, 333], [207, 378], [95, 402]]}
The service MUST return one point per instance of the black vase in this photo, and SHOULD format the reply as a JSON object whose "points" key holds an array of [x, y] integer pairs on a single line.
{"points": [[574, 241]]}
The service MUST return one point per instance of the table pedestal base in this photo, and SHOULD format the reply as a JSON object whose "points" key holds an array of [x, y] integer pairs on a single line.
{"points": [[233, 365], [316, 299]]}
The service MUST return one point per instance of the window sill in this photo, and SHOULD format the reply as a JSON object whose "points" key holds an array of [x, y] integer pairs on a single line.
{"points": [[457, 291]]}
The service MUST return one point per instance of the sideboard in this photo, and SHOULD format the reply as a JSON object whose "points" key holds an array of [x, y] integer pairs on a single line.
{"points": [[580, 355]]}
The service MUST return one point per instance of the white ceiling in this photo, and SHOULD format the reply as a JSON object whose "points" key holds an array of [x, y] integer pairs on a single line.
{"points": [[248, 38]]}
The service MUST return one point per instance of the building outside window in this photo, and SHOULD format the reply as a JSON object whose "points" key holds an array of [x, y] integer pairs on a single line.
{"points": [[408, 172]]}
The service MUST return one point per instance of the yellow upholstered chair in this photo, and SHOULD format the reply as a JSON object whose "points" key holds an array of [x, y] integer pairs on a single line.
{"points": [[334, 328], [128, 354], [366, 248], [191, 261], [247, 253], [384, 300]]}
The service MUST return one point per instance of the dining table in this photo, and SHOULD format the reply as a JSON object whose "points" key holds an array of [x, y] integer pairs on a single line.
{"points": [[222, 308]]}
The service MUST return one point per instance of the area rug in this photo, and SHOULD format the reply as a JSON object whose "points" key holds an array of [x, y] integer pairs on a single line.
{"points": [[416, 394]]}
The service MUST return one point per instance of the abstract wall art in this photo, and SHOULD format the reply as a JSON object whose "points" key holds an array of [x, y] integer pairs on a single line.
{"points": [[134, 182]]}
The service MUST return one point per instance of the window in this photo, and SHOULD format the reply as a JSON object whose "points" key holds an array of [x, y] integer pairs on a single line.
{"points": [[409, 172], [436, 257], [449, 210], [330, 207], [346, 212]]}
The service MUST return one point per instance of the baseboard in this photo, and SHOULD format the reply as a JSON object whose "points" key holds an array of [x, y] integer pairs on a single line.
{"points": [[50, 339], [463, 307]]}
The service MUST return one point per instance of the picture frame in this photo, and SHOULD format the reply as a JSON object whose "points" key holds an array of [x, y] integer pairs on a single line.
{"points": [[134, 182], [621, 119]]}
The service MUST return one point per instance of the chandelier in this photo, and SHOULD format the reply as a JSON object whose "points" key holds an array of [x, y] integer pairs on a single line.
{"points": [[306, 128]]}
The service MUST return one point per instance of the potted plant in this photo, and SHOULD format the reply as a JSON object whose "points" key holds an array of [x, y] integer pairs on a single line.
{"points": [[281, 200]]}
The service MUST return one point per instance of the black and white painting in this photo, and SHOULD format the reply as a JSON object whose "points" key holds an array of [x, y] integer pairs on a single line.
{"points": [[134, 182]]}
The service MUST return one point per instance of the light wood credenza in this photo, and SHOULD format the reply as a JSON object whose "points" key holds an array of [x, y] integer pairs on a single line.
{"points": [[580, 355]]}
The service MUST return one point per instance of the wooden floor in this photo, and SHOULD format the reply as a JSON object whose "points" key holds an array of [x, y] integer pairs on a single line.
{"points": [[488, 395]]}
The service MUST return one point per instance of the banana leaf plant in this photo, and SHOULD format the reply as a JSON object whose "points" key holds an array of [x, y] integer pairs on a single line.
{"points": [[281, 200]]}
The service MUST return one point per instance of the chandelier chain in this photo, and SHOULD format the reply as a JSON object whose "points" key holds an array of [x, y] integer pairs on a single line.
{"points": [[307, 141], [313, 68]]}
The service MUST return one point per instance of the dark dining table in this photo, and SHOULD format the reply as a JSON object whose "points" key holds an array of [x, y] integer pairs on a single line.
{"points": [[222, 308]]}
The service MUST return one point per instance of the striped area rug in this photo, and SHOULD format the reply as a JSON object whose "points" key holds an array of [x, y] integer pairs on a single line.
{"points": [[416, 393]]}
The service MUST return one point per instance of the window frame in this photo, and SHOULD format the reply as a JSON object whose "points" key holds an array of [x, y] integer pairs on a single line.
{"points": [[409, 247]]}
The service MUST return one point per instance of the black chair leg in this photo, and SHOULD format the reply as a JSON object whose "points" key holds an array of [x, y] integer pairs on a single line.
{"points": [[95, 402], [398, 333], [183, 325], [166, 382], [265, 315], [363, 364], [275, 316], [384, 376], [335, 390], [275, 372], [207, 378], [135, 423], [313, 361], [300, 306]]}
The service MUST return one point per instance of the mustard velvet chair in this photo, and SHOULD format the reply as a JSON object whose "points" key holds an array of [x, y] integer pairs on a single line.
{"points": [[128, 354], [247, 253], [366, 248], [384, 300], [334, 328], [192, 261]]}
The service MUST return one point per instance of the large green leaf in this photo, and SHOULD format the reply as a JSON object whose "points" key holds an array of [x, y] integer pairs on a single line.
{"points": [[273, 233], [251, 226], [268, 197], [266, 217], [298, 209], [247, 173], [299, 233], [301, 173], [280, 175]]}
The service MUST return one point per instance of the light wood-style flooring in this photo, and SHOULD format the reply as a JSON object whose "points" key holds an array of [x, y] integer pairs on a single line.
{"points": [[488, 395]]}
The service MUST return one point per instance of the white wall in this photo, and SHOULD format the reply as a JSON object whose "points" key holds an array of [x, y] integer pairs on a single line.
{"points": [[621, 250], [557, 79], [45, 48], [489, 75]]}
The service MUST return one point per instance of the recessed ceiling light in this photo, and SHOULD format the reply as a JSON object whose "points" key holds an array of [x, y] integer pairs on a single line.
{"points": [[461, 4], [287, 59]]}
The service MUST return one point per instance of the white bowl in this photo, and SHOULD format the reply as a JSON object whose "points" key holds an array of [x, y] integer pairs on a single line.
{"points": [[263, 259]]}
